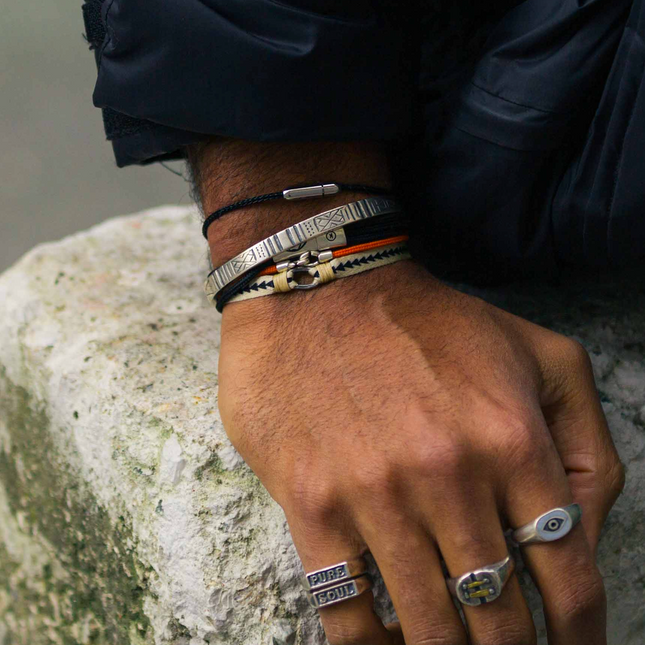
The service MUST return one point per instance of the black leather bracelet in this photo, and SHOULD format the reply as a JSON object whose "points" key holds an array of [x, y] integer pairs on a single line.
{"points": [[303, 192]]}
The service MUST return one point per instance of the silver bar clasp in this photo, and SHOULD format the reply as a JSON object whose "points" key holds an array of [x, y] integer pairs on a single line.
{"points": [[305, 260], [321, 190], [324, 241]]}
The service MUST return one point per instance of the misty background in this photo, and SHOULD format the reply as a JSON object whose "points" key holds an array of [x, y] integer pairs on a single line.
{"points": [[57, 172]]}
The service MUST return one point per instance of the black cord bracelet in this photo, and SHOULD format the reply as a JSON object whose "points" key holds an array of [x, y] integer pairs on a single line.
{"points": [[303, 192]]}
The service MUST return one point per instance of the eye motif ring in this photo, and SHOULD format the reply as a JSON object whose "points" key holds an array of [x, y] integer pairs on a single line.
{"points": [[482, 585], [552, 525]]}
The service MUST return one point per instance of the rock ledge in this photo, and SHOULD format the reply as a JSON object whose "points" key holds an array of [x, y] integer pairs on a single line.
{"points": [[125, 514]]}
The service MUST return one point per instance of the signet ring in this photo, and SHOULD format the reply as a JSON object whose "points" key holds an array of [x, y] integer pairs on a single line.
{"points": [[482, 585]]}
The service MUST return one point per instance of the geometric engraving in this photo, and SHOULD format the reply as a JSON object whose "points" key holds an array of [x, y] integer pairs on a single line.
{"points": [[296, 247], [307, 229], [329, 220], [301, 232], [247, 260]]}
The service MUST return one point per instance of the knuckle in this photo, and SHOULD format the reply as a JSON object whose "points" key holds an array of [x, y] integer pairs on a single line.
{"points": [[507, 632], [438, 634], [314, 499], [523, 442], [445, 460], [375, 478], [615, 478], [347, 634], [576, 355], [580, 601]]}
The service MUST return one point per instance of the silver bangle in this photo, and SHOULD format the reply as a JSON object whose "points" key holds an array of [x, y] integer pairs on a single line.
{"points": [[292, 238]]}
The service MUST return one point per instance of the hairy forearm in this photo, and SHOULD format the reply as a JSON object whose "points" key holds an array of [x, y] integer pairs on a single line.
{"points": [[228, 170]]}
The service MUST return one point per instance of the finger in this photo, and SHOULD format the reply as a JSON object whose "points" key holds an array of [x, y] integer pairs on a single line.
{"points": [[470, 536], [575, 417], [411, 568], [564, 570], [396, 632], [355, 623], [323, 540]]}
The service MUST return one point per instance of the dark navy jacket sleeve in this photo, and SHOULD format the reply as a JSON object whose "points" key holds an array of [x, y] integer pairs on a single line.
{"points": [[262, 70], [529, 159], [544, 63]]}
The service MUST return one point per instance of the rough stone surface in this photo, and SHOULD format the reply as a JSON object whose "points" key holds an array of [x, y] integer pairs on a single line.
{"points": [[125, 514]]}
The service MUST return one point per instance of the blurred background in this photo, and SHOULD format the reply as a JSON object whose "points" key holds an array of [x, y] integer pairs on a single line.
{"points": [[57, 172]]}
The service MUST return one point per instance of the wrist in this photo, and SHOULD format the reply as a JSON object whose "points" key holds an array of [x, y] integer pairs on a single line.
{"points": [[368, 292], [226, 171]]}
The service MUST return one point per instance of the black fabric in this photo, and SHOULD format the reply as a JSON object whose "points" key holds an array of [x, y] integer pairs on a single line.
{"points": [[118, 125], [599, 209], [536, 163], [255, 69], [94, 26], [516, 133]]}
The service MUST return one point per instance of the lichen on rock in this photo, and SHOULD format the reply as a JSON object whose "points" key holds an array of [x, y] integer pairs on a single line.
{"points": [[68, 573]]}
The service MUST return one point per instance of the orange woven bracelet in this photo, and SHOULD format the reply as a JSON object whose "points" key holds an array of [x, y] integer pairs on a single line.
{"points": [[348, 250]]}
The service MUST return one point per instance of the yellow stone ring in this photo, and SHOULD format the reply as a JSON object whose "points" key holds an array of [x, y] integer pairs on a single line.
{"points": [[482, 585]]}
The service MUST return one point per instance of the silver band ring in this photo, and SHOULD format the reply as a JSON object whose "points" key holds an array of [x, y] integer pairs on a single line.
{"points": [[340, 592], [334, 574], [482, 585], [550, 526]]}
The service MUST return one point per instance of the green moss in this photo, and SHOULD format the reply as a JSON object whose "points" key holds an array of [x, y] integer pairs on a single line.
{"points": [[102, 589], [212, 466], [178, 630], [7, 566]]}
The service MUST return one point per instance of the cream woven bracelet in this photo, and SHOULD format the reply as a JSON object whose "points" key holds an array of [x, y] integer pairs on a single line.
{"points": [[327, 271]]}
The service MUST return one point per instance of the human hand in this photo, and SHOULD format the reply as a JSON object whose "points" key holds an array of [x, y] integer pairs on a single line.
{"points": [[390, 413]]}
